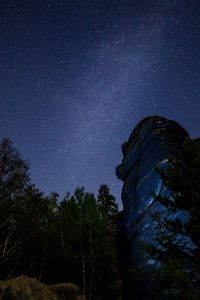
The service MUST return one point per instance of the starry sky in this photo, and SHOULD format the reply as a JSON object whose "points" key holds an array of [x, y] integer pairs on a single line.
{"points": [[77, 75]]}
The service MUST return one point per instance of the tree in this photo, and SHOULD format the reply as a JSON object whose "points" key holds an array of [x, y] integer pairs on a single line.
{"points": [[87, 249], [23, 216], [178, 241], [54, 240], [14, 179], [14, 172], [107, 201]]}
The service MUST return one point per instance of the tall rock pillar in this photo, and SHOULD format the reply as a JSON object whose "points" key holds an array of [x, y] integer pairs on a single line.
{"points": [[149, 145]]}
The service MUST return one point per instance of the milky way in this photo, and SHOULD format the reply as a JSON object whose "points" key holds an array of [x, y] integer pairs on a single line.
{"points": [[77, 76]]}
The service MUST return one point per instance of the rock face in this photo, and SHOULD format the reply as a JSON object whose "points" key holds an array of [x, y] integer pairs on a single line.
{"points": [[149, 145], [25, 288]]}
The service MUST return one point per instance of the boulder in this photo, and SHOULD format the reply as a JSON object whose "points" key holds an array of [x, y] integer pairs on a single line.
{"points": [[25, 288], [66, 291]]}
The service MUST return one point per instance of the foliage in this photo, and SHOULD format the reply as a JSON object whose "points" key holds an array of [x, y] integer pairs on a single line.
{"points": [[14, 176], [178, 241], [85, 232], [52, 240], [107, 201]]}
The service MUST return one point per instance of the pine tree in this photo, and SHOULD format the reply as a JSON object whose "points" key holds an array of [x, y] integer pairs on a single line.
{"points": [[106, 201]]}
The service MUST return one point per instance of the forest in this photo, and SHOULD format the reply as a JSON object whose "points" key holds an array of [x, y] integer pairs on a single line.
{"points": [[55, 240]]}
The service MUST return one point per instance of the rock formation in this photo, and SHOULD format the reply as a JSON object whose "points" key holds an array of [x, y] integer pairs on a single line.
{"points": [[149, 145], [25, 288]]}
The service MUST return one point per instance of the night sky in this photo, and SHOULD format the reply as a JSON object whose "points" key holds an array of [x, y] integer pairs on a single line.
{"points": [[76, 76]]}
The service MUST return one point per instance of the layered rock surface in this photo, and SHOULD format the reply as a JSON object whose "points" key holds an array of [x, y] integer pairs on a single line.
{"points": [[152, 141]]}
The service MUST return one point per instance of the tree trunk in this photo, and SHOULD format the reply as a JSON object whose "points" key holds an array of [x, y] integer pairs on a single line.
{"points": [[43, 260], [83, 273], [92, 264]]}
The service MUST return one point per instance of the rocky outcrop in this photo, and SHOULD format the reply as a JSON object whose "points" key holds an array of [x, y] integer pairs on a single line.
{"points": [[25, 288], [149, 145], [66, 291]]}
